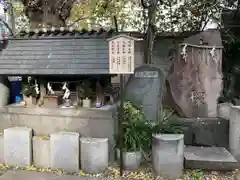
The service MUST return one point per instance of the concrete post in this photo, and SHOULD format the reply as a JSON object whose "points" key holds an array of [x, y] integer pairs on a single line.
{"points": [[41, 152], [18, 146], [64, 148], [1, 149], [94, 154], [224, 110], [234, 132], [167, 155]]}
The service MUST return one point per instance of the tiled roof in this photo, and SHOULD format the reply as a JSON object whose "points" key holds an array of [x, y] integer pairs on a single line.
{"points": [[56, 52], [88, 33], [62, 32]]}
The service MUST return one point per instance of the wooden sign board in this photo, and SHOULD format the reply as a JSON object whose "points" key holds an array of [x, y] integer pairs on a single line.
{"points": [[121, 54]]}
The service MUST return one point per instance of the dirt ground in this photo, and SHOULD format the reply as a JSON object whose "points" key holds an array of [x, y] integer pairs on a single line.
{"points": [[9, 173]]}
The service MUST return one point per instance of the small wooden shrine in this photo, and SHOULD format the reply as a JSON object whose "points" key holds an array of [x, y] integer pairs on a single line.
{"points": [[61, 66]]}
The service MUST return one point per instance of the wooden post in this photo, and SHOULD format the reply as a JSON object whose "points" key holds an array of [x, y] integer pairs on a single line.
{"points": [[43, 91]]}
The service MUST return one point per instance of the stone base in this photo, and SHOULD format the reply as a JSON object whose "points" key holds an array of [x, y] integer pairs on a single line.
{"points": [[94, 155], [209, 158], [1, 149], [18, 146], [206, 132], [41, 152], [65, 151], [167, 155], [224, 110], [237, 177], [89, 122]]}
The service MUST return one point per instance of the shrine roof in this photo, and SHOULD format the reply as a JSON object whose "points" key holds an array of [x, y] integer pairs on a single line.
{"points": [[56, 52], [63, 33]]}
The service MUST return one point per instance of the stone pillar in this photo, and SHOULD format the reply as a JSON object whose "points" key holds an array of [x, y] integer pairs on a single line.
{"points": [[167, 155], [64, 151], [4, 91], [94, 154], [224, 110], [41, 152], [18, 146], [1, 149], [234, 132]]}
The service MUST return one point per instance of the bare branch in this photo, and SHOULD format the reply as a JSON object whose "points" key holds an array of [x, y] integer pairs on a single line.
{"points": [[78, 19], [144, 4]]}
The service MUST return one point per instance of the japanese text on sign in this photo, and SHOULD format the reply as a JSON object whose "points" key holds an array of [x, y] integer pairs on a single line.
{"points": [[121, 56]]}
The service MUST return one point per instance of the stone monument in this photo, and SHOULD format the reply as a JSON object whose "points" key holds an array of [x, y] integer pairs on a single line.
{"points": [[145, 89], [195, 78]]}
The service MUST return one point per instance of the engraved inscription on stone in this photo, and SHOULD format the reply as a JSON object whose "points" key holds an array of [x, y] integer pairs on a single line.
{"points": [[146, 74], [145, 89]]}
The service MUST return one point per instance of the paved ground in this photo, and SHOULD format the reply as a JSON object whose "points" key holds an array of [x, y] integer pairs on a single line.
{"points": [[31, 175]]}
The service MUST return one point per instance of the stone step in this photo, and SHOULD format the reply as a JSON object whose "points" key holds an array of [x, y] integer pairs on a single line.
{"points": [[209, 158]]}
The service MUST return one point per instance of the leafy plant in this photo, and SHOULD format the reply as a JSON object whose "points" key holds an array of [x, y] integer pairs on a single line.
{"points": [[28, 88], [167, 123], [131, 112], [136, 131], [87, 90]]}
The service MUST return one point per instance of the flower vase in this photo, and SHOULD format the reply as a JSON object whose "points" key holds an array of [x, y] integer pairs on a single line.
{"points": [[86, 103], [28, 100]]}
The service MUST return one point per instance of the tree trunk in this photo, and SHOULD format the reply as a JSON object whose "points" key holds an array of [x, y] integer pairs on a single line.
{"points": [[47, 12], [43, 92], [150, 35]]}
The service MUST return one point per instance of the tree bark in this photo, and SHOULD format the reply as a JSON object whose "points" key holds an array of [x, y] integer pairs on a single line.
{"points": [[47, 12], [43, 91], [151, 30]]}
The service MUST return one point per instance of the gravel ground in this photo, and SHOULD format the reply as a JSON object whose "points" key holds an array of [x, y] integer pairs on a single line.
{"points": [[142, 174]]}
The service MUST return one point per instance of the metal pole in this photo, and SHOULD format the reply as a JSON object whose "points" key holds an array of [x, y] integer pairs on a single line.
{"points": [[121, 125], [12, 17]]}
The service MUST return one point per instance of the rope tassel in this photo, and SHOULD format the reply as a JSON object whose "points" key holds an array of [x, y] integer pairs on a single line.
{"points": [[50, 88], [67, 91]]}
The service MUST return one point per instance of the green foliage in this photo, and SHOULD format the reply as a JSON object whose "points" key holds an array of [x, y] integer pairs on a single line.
{"points": [[131, 112], [28, 88], [196, 174], [136, 135], [87, 90], [167, 123], [230, 63], [171, 15], [136, 131]]}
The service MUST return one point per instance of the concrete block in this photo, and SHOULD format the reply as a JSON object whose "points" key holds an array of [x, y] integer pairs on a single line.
{"points": [[1, 149], [18, 146], [167, 155], [206, 132], [234, 132], [64, 151], [224, 110], [41, 152], [94, 154], [209, 158]]}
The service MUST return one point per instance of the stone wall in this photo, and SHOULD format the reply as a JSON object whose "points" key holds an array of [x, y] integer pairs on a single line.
{"points": [[95, 123], [61, 150], [206, 132]]}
